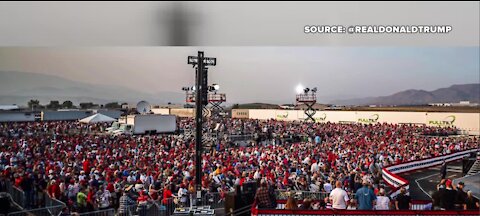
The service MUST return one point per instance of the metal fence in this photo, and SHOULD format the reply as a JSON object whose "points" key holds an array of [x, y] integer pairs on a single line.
{"points": [[51, 201], [167, 207], [354, 212], [300, 195], [47, 211], [18, 196], [283, 195], [25, 201], [150, 209], [106, 212], [214, 200]]}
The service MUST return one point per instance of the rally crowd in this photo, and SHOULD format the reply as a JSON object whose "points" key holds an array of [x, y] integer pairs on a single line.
{"points": [[88, 169]]}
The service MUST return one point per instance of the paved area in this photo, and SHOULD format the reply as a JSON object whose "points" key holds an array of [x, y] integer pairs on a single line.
{"points": [[471, 183], [423, 182]]}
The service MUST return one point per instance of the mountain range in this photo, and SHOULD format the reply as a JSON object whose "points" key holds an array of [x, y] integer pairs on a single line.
{"points": [[452, 94], [20, 87]]}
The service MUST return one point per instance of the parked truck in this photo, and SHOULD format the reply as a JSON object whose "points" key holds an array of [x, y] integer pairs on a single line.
{"points": [[147, 124]]}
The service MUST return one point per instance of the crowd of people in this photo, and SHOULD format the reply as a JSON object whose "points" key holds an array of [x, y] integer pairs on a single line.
{"points": [[88, 169], [446, 197], [451, 197]]}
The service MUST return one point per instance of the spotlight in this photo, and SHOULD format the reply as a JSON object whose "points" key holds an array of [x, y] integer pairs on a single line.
{"points": [[306, 90], [186, 89], [216, 87], [314, 90], [299, 89], [193, 88]]}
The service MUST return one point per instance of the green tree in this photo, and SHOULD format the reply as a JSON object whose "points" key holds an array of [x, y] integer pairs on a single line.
{"points": [[67, 105], [113, 105], [87, 105], [33, 104], [54, 105]]}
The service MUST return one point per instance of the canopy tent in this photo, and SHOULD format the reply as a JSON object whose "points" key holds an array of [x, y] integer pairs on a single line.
{"points": [[97, 118]]}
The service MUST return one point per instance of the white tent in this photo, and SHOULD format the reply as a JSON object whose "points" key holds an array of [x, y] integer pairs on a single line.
{"points": [[97, 118]]}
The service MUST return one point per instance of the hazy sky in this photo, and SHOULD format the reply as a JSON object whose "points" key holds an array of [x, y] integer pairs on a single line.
{"points": [[215, 23], [252, 74]]}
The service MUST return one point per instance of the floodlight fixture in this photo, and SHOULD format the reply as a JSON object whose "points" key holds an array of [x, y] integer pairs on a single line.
{"points": [[299, 89], [216, 87]]}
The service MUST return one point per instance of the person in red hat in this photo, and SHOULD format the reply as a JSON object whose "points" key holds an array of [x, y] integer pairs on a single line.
{"points": [[448, 197]]}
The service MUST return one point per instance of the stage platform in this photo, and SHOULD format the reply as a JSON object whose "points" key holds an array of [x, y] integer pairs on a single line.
{"points": [[471, 183]]}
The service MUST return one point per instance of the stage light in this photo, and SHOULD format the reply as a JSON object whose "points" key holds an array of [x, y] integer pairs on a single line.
{"points": [[193, 88], [306, 90], [314, 90], [216, 87], [299, 89]]}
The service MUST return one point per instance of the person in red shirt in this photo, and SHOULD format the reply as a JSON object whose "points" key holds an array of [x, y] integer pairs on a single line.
{"points": [[142, 198], [167, 194], [142, 203], [18, 181], [86, 166], [54, 189], [168, 198], [91, 199], [110, 187]]}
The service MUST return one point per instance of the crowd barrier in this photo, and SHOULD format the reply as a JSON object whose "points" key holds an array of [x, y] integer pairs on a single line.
{"points": [[51, 201], [51, 206], [18, 196], [300, 195], [390, 173], [47, 211], [164, 208], [416, 204], [150, 209], [214, 200], [283, 212], [106, 212]]}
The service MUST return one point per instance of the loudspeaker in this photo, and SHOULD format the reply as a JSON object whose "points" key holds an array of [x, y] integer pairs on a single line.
{"points": [[237, 202], [249, 187], [241, 203]]}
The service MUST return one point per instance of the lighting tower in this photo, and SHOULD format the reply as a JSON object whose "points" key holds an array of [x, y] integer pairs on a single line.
{"points": [[308, 97], [200, 62], [216, 99]]}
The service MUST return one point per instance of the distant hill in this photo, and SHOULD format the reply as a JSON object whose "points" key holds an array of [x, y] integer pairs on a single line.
{"points": [[20, 87], [452, 94], [258, 106]]}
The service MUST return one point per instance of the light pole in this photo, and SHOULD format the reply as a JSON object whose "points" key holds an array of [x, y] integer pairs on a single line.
{"points": [[201, 81]]}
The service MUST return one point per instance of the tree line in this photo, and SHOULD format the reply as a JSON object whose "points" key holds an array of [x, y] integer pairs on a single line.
{"points": [[55, 104]]}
